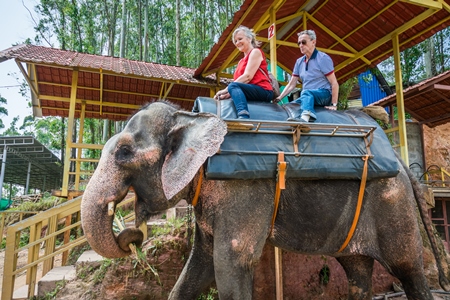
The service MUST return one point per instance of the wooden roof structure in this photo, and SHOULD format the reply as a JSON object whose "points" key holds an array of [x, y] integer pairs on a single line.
{"points": [[428, 101], [110, 87], [356, 34]]}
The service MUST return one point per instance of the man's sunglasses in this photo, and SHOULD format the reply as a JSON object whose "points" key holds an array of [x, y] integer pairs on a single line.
{"points": [[303, 42]]}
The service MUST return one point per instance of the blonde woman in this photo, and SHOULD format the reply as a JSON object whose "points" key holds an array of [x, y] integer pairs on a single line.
{"points": [[250, 83]]}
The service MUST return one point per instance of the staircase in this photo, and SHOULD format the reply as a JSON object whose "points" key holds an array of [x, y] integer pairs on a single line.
{"points": [[51, 275]]}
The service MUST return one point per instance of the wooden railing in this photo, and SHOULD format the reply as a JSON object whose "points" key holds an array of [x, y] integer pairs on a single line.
{"points": [[9, 212], [59, 222]]}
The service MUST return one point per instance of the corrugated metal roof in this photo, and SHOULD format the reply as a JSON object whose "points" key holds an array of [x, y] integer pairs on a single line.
{"points": [[24, 151]]}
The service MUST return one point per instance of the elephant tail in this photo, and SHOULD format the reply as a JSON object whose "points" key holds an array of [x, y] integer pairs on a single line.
{"points": [[422, 206]]}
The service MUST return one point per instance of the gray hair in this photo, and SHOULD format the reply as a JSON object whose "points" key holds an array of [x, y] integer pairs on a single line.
{"points": [[248, 33], [309, 32]]}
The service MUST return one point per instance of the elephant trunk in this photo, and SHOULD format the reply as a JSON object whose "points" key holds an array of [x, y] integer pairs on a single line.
{"points": [[96, 218], [97, 227]]}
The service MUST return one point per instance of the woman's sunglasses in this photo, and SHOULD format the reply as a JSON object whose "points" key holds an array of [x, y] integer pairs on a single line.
{"points": [[303, 42]]}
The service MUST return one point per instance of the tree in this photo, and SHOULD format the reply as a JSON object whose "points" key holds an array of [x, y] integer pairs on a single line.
{"points": [[3, 110], [12, 129]]}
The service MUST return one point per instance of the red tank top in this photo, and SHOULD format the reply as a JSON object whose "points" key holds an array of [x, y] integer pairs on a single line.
{"points": [[259, 78]]}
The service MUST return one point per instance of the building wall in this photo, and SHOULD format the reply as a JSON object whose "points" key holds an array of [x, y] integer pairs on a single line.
{"points": [[415, 148]]}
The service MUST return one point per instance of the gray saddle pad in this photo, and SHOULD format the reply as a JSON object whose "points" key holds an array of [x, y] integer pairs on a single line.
{"points": [[251, 155]]}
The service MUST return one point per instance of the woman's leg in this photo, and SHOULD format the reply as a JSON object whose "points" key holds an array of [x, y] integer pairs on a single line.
{"points": [[243, 92]]}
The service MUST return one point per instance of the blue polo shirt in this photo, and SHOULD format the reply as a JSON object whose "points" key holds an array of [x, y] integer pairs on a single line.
{"points": [[313, 73]]}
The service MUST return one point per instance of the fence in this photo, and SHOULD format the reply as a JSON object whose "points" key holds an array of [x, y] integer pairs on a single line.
{"points": [[46, 228]]}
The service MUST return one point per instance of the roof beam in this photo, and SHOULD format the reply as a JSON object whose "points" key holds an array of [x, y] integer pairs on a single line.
{"points": [[233, 54], [388, 38], [436, 119], [337, 38], [444, 87], [403, 43], [264, 18], [424, 3]]}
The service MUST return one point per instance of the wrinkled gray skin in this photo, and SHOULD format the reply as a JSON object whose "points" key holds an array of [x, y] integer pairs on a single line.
{"points": [[159, 153]]}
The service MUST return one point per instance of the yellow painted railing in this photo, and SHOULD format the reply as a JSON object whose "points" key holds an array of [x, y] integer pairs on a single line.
{"points": [[441, 172], [8, 212], [62, 222]]}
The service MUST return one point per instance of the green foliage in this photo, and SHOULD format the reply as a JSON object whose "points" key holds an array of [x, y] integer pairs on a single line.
{"points": [[76, 252], [43, 204], [100, 273], [3, 110], [53, 294], [24, 239], [414, 64], [172, 226], [324, 274], [344, 91], [212, 294]]}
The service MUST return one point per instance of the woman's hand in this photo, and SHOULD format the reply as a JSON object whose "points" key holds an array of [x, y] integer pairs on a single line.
{"points": [[331, 107], [222, 94]]}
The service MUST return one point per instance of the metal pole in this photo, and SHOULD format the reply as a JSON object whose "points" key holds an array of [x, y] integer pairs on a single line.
{"points": [[28, 179], [2, 173]]}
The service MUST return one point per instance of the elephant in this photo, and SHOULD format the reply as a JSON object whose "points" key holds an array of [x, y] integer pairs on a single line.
{"points": [[159, 154]]}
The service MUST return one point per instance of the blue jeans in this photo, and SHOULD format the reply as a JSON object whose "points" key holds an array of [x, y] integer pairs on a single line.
{"points": [[243, 92], [309, 98]]}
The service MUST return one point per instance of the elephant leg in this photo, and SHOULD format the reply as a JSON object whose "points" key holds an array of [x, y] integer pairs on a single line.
{"points": [[358, 269], [234, 261], [234, 276], [407, 266], [416, 287], [413, 280], [198, 273]]}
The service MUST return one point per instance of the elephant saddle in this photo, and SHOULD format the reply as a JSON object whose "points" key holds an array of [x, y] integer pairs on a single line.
{"points": [[330, 148]]}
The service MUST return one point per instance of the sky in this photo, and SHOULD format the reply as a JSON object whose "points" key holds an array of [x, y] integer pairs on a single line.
{"points": [[17, 26]]}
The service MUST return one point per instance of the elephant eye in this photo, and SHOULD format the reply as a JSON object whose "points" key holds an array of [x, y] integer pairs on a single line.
{"points": [[124, 153]]}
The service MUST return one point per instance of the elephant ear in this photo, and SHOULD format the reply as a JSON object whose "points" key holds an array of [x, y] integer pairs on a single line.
{"points": [[193, 139]]}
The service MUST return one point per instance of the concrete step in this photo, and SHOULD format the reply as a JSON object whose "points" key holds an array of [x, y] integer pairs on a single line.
{"points": [[22, 293], [176, 212], [48, 283]]}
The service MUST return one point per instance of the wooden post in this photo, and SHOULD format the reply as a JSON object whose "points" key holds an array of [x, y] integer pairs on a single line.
{"points": [[279, 273], [400, 100], [65, 254]]}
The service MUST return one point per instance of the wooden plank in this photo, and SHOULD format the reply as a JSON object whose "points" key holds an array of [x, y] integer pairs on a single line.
{"points": [[278, 273]]}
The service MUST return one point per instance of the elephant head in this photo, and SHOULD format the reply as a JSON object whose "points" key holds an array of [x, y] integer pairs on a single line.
{"points": [[157, 154]]}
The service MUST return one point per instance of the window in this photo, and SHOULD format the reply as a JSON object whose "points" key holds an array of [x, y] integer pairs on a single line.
{"points": [[440, 216]]}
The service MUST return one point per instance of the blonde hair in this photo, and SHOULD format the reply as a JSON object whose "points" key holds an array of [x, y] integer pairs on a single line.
{"points": [[248, 33]]}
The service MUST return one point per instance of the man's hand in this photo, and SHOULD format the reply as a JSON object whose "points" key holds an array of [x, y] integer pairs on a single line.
{"points": [[277, 99], [331, 107]]}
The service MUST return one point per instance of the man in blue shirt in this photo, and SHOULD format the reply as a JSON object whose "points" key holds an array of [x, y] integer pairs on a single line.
{"points": [[319, 84]]}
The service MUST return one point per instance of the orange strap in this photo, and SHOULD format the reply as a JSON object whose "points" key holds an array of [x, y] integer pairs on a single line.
{"points": [[358, 205], [199, 185], [281, 185]]}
